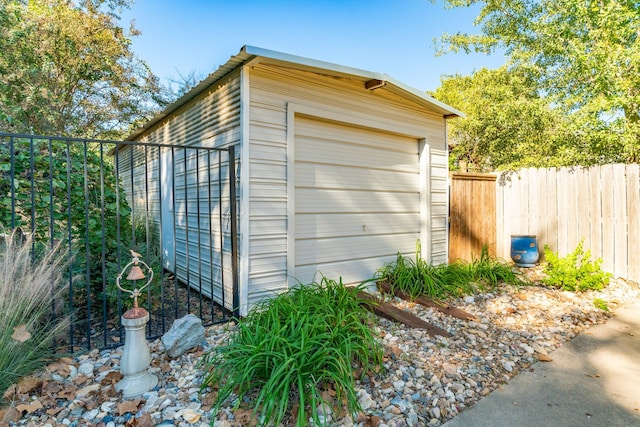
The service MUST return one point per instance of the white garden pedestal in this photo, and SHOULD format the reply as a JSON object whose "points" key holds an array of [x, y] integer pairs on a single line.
{"points": [[136, 357]]}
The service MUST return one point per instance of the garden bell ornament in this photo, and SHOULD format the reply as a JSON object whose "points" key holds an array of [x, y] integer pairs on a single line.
{"points": [[136, 357]]}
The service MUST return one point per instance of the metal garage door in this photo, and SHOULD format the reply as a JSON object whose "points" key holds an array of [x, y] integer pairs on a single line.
{"points": [[357, 199]]}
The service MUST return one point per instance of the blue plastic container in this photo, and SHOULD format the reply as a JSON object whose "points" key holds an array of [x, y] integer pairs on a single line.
{"points": [[524, 250]]}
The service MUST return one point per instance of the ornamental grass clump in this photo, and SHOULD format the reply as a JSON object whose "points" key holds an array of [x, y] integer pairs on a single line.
{"points": [[295, 352], [489, 271], [30, 288], [418, 278]]}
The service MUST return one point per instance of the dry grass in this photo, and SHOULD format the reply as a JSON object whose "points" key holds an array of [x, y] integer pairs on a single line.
{"points": [[30, 289]]}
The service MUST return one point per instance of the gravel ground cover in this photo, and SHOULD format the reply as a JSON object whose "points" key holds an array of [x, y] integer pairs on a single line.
{"points": [[426, 381]]}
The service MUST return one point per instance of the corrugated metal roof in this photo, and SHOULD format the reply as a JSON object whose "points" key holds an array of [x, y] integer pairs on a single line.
{"points": [[252, 53]]}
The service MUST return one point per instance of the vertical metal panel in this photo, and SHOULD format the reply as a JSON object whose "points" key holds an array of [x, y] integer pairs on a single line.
{"points": [[12, 176], [69, 240], [234, 231], [210, 120]]}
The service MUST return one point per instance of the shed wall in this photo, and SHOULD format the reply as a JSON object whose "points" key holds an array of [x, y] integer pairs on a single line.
{"points": [[210, 120], [272, 89]]}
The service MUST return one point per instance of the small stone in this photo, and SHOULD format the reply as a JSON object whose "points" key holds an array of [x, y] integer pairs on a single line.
{"points": [[366, 402], [191, 416], [435, 412], [86, 369], [392, 409], [185, 334], [85, 391], [450, 369], [400, 404], [91, 415]]}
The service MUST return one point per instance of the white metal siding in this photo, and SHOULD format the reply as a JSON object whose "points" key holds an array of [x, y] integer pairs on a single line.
{"points": [[272, 89], [439, 208], [210, 120]]}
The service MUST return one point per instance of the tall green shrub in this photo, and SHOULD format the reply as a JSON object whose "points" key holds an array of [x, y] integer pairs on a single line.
{"points": [[30, 290], [291, 350]]}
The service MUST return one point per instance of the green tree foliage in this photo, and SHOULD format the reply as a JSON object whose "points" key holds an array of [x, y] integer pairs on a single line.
{"points": [[584, 56], [66, 68], [507, 124], [72, 191]]}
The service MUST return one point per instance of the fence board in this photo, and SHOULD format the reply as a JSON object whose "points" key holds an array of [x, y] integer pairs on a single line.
{"points": [[600, 204], [633, 215], [619, 184], [551, 189], [540, 201], [608, 240], [500, 226], [518, 225], [583, 195], [595, 212], [533, 222], [573, 211], [563, 205]]}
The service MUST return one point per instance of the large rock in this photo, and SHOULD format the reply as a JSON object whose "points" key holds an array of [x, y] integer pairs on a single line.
{"points": [[185, 334]]}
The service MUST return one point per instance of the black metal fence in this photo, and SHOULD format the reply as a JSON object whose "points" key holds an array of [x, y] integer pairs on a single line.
{"points": [[174, 205]]}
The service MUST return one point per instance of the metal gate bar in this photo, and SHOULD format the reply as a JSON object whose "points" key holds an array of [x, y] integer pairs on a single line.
{"points": [[102, 198]]}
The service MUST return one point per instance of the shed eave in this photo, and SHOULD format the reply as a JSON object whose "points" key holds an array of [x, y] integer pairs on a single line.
{"points": [[313, 65], [259, 55]]}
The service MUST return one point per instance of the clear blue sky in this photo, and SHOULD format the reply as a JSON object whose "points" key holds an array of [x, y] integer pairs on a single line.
{"points": [[387, 36]]}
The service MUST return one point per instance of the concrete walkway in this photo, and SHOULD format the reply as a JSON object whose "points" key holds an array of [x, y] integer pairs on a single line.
{"points": [[594, 380]]}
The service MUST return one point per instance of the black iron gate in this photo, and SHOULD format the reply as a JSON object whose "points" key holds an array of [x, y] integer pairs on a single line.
{"points": [[173, 205]]}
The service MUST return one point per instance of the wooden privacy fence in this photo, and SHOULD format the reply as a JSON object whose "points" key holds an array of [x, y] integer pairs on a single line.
{"points": [[600, 204], [472, 215]]}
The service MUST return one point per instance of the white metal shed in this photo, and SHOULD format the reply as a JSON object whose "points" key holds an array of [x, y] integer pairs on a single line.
{"points": [[339, 169]]}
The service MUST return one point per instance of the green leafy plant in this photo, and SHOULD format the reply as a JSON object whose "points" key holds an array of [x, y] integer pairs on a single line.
{"points": [[419, 278], [30, 290], [70, 190], [575, 272], [293, 351], [601, 304]]}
